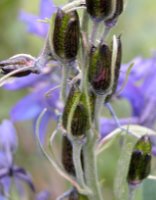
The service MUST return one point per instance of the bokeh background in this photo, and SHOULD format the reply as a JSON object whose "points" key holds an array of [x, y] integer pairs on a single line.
{"points": [[138, 28]]}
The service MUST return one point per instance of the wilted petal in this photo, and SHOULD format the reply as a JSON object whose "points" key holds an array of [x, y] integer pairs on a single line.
{"points": [[21, 174], [47, 8], [44, 195], [33, 26], [8, 136]]}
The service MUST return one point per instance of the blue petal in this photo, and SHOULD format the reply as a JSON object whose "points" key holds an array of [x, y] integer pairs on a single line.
{"points": [[33, 26], [28, 81], [47, 8], [8, 136], [27, 108]]}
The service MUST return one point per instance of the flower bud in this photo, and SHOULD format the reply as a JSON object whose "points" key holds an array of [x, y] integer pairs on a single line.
{"points": [[99, 9], [18, 62], [99, 72], [140, 163], [67, 158], [111, 21], [80, 120], [117, 69], [66, 35]]}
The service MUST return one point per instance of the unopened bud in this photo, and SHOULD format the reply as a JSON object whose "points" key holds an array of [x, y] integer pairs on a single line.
{"points": [[99, 72], [80, 120], [67, 156], [111, 21], [66, 35], [140, 163], [16, 62], [99, 9], [117, 69]]}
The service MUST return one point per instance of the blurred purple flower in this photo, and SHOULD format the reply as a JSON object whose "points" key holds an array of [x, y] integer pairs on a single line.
{"points": [[8, 137], [47, 8], [44, 195], [8, 170]]}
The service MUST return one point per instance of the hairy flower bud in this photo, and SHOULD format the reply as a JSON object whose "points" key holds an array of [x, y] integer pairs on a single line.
{"points": [[99, 72], [66, 35], [140, 163], [67, 157], [99, 9], [117, 69], [18, 62], [100, 68], [111, 21], [80, 120]]}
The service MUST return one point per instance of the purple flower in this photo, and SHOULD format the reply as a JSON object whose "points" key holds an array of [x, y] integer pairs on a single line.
{"points": [[47, 8]]}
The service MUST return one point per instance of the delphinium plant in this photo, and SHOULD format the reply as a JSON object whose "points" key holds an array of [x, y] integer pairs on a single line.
{"points": [[74, 76]]}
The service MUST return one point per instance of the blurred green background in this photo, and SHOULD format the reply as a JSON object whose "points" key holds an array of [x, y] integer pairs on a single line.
{"points": [[138, 28]]}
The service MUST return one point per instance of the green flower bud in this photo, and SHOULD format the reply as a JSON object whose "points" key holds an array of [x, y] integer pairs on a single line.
{"points": [[99, 72], [99, 9], [80, 120], [140, 163], [111, 21], [117, 69], [66, 35], [67, 158]]}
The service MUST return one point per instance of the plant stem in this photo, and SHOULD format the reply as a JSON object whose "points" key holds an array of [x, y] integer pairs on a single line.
{"points": [[65, 73], [90, 167]]}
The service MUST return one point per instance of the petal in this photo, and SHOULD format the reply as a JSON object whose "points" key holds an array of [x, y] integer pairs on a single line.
{"points": [[28, 81], [34, 26], [47, 8], [27, 108], [23, 175], [8, 136]]}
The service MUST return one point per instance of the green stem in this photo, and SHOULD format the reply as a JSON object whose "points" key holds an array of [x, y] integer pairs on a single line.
{"points": [[90, 167], [65, 73], [72, 5], [98, 107], [77, 147], [131, 194]]}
